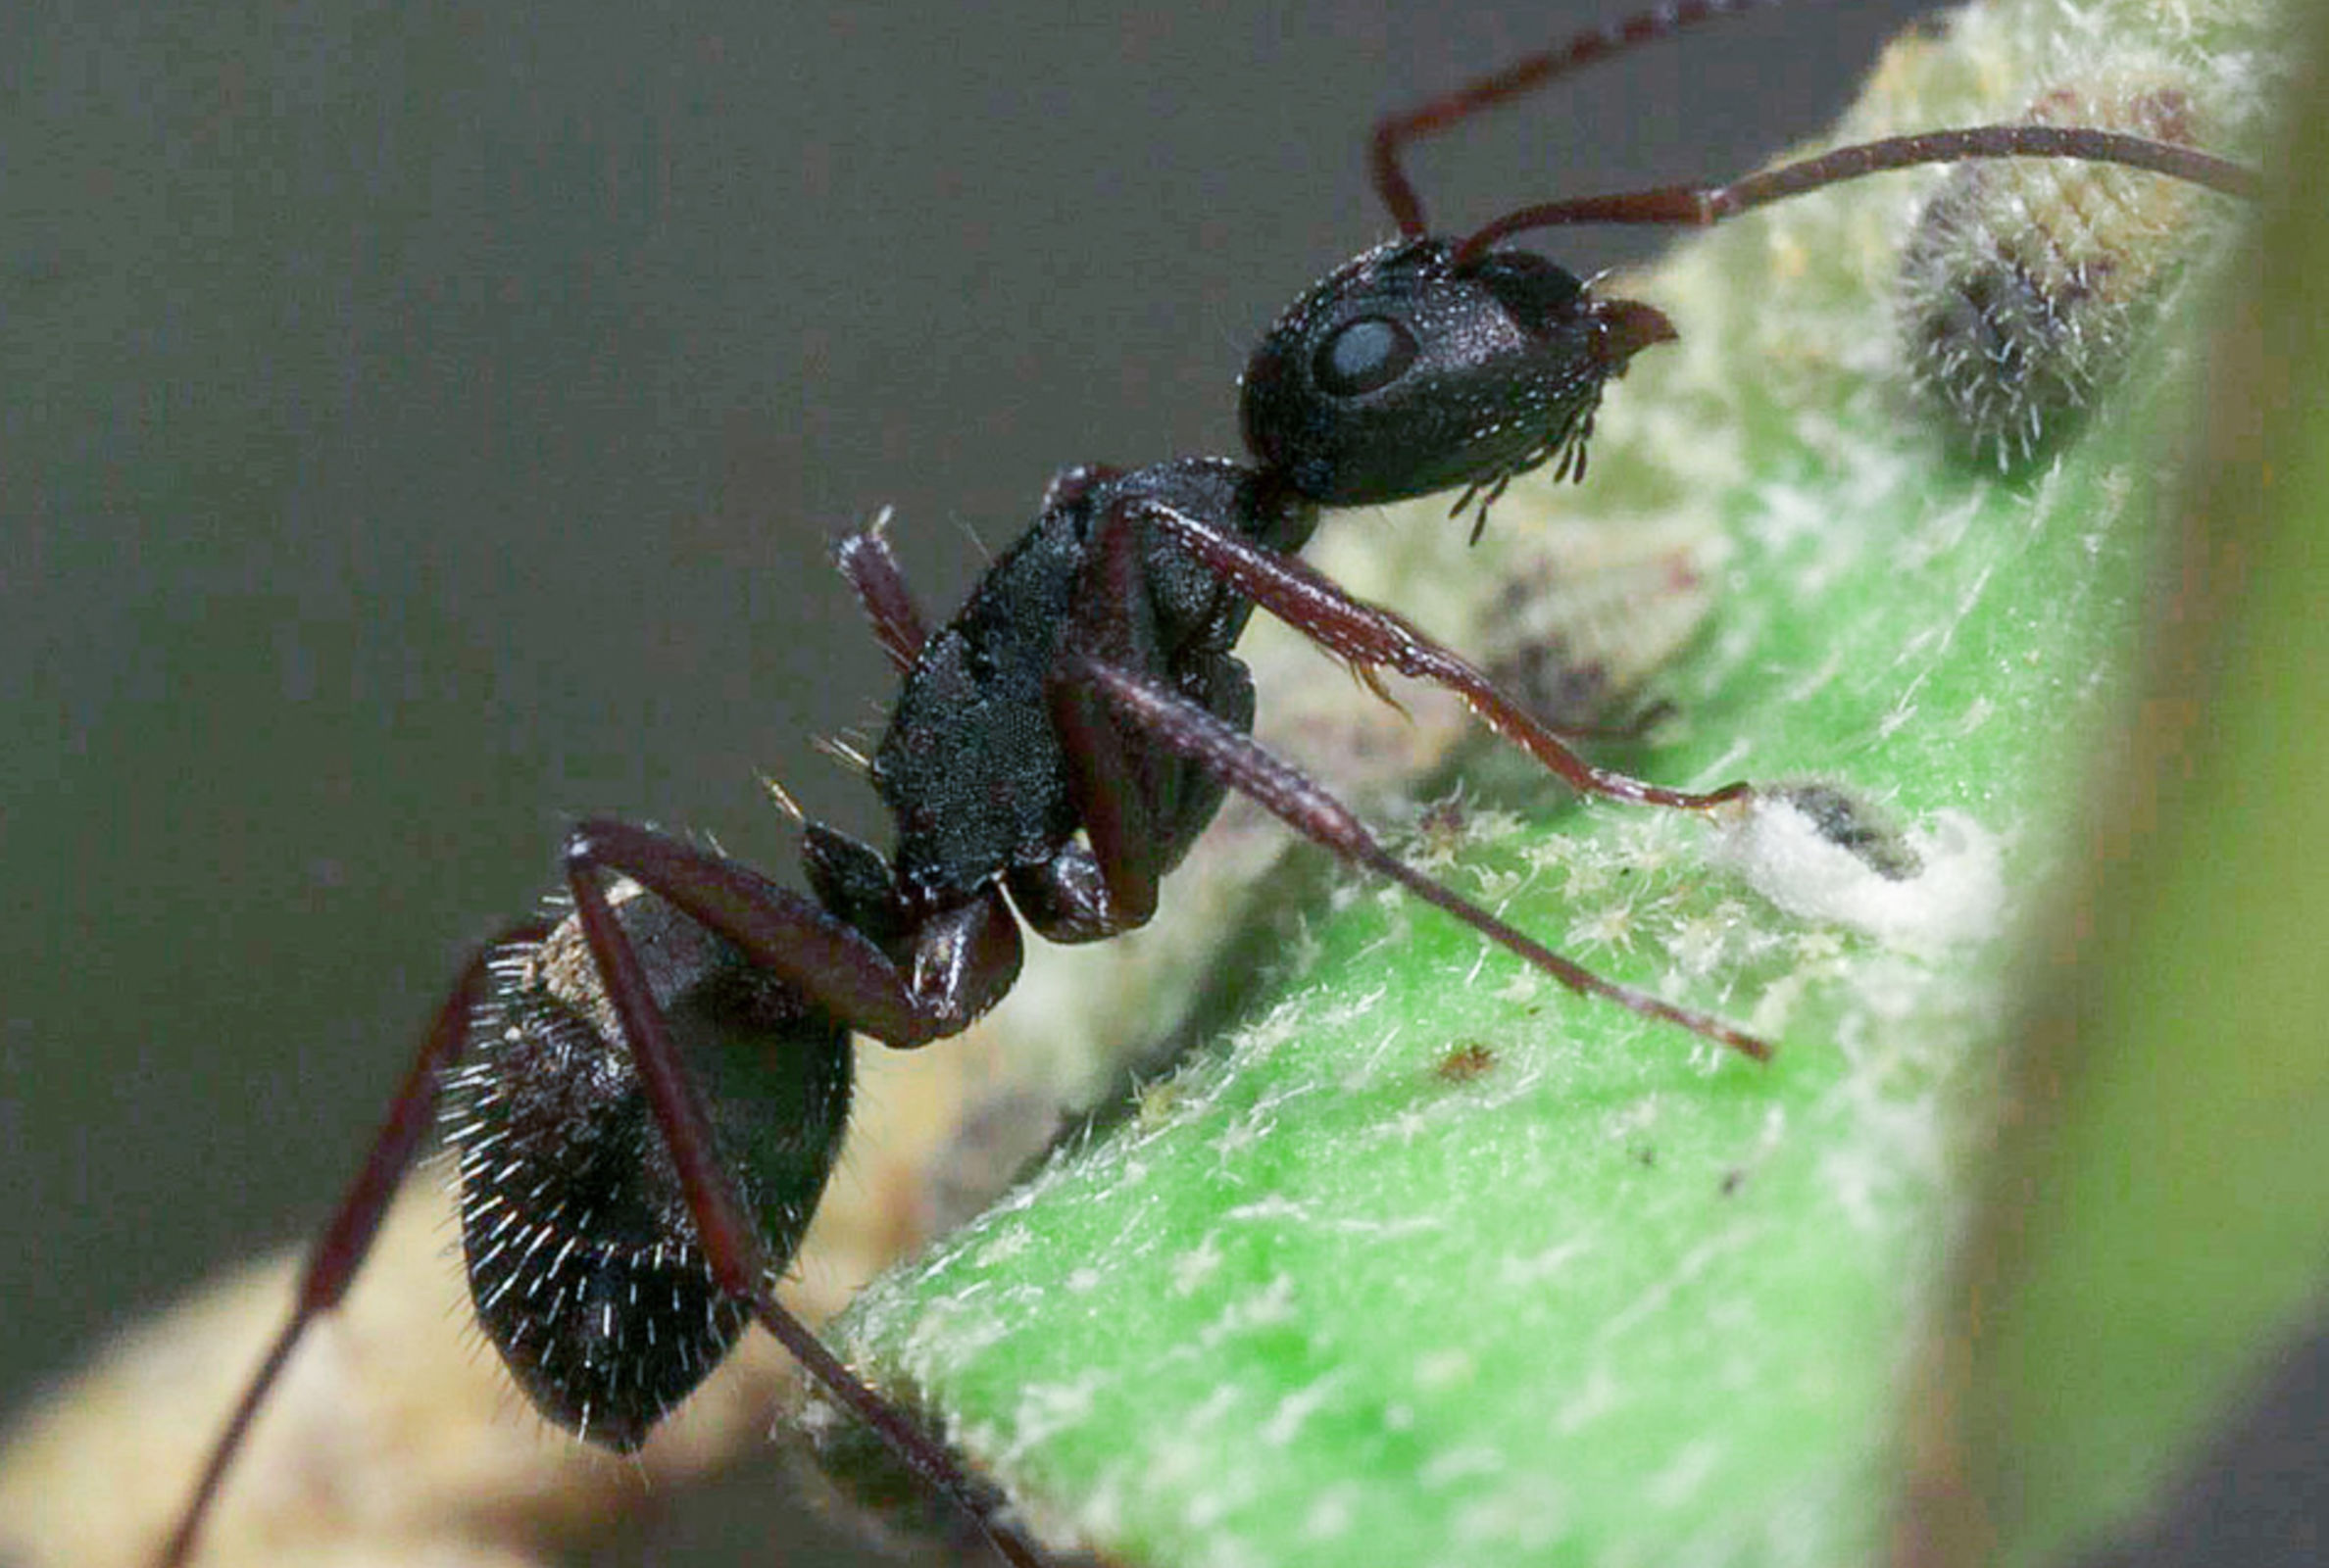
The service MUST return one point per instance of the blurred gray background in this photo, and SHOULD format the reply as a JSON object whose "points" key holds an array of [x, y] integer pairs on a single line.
{"points": [[420, 425]]}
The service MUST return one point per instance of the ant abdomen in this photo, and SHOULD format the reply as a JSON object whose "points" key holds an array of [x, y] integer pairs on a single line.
{"points": [[582, 1255]]}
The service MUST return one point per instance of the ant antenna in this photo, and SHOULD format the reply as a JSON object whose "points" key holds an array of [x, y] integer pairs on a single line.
{"points": [[1702, 205], [1588, 48], [1699, 206]]}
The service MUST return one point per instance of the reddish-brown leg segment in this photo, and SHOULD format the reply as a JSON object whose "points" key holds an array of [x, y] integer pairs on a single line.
{"points": [[724, 1233], [1367, 634], [864, 560], [1111, 718], [339, 1253], [779, 931], [1301, 804]]}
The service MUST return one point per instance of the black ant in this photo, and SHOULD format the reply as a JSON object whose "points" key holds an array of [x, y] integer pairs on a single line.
{"points": [[656, 1083]]}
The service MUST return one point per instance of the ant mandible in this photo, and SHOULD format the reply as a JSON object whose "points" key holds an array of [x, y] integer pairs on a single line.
{"points": [[658, 1082]]}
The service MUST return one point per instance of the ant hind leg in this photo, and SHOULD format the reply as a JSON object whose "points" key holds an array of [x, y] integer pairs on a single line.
{"points": [[338, 1255], [725, 1234]]}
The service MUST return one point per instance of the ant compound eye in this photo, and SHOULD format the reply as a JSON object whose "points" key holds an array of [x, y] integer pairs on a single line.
{"points": [[1366, 355]]}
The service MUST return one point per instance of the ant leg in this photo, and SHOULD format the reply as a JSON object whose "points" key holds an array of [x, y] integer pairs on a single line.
{"points": [[339, 1253], [863, 558], [1140, 814], [1367, 634], [730, 1243], [1150, 808], [1116, 798], [1300, 801], [1066, 899], [964, 956]]}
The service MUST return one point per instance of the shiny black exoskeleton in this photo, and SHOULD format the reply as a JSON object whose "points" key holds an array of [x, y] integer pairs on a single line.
{"points": [[573, 1219], [971, 766], [648, 1094]]}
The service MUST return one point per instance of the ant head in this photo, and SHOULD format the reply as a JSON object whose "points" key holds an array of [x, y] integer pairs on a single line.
{"points": [[1417, 369]]}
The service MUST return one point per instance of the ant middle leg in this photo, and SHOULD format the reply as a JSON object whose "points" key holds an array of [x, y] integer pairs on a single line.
{"points": [[906, 980], [1157, 714]]}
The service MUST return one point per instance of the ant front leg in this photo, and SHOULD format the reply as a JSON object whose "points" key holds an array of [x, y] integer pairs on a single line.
{"points": [[1141, 807], [1370, 635]]}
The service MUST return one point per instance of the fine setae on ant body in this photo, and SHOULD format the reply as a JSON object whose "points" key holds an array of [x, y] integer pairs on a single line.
{"points": [[649, 1092]]}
